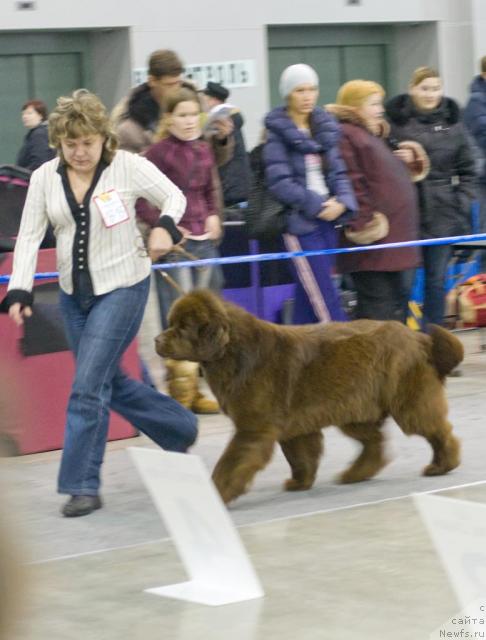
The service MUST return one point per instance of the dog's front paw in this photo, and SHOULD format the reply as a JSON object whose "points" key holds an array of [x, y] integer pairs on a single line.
{"points": [[363, 469], [354, 475], [227, 489], [438, 470], [224, 491], [348, 477], [227, 496], [296, 485]]}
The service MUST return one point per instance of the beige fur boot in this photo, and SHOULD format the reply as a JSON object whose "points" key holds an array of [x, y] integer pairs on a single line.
{"points": [[204, 405], [183, 385]]}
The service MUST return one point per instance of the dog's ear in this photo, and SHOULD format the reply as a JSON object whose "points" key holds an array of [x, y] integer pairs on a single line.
{"points": [[213, 335]]}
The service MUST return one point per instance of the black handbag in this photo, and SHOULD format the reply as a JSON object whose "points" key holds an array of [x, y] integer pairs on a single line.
{"points": [[265, 216]]}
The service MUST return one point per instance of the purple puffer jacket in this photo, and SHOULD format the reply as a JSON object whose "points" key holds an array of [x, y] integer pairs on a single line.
{"points": [[284, 158]]}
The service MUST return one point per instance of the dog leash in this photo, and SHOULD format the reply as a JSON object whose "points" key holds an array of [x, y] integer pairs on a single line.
{"points": [[187, 254], [172, 282], [190, 256]]}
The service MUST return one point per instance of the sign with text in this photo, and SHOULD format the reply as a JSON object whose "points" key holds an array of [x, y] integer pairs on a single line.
{"points": [[232, 74]]}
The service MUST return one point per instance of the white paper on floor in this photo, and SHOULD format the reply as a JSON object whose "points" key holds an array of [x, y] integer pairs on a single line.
{"points": [[457, 529], [206, 539]]}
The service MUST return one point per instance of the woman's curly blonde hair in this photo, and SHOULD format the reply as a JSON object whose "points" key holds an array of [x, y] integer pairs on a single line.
{"points": [[81, 114]]}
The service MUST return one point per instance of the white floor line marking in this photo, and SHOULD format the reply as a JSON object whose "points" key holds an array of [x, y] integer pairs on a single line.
{"points": [[96, 551], [361, 504], [270, 521]]}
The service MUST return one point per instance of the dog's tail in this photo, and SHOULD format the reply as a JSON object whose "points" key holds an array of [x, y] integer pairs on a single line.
{"points": [[447, 349]]}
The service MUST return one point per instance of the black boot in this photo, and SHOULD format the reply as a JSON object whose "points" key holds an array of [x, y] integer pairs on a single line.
{"points": [[81, 506]]}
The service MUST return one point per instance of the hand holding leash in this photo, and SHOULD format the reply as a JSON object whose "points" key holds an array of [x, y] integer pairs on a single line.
{"points": [[159, 243], [18, 312]]}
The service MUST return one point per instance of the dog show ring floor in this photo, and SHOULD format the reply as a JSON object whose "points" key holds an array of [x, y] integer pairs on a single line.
{"points": [[340, 562]]}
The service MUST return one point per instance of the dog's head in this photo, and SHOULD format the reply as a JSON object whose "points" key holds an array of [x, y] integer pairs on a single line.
{"points": [[198, 329]]}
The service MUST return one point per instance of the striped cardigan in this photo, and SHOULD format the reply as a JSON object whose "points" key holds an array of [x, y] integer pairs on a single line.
{"points": [[116, 256]]}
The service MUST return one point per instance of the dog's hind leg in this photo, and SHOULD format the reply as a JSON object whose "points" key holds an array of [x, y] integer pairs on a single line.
{"points": [[303, 454], [423, 411], [426, 415], [246, 454], [447, 451], [371, 458]]}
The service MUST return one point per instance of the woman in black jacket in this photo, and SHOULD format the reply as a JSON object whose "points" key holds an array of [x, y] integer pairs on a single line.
{"points": [[445, 196], [35, 149]]}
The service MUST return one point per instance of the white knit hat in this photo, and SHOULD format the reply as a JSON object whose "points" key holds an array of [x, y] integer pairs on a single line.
{"points": [[294, 75]]}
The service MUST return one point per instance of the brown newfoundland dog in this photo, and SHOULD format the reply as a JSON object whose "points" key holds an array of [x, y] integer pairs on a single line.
{"points": [[285, 383]]}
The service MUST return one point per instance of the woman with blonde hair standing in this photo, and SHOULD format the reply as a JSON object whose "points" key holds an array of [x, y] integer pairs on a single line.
{"points": [[88, 194], [425, 115], [387, 203]]}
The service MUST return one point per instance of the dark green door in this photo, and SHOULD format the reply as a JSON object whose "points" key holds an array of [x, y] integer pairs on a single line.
{"points": [[326, 63], [43, 77], [39, 66], [366, 62], [14, 75], [56, 74]]}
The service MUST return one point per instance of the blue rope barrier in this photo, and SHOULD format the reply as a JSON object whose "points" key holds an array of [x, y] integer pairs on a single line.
{"points": [[263, 257]]}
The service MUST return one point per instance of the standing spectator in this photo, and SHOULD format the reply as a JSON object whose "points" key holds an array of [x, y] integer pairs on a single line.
{"points": [[35, 149], [425, 115], [189, 162], [234, 174], [306, 173], [387, 200], [88, 194], [475, 120], [136, 117]]}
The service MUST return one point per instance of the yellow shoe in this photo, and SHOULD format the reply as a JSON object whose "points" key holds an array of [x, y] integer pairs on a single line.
{"points": [[204, 405]]}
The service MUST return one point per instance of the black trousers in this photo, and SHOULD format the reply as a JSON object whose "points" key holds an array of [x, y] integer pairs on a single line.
{"points": [[383, 295]]}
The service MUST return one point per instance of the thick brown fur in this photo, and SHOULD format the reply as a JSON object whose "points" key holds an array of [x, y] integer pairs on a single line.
{"points": [[284, 384]]}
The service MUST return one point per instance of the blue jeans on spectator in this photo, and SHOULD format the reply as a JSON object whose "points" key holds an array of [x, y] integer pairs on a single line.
{"points": [[435, 261], [188, 278], [99, 329]]}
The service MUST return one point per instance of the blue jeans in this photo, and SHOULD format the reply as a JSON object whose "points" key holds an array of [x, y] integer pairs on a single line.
{"points": [[435, 259], [99, 329], [188, 278]]}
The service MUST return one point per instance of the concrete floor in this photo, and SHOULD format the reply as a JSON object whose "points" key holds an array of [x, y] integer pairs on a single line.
{"points": [[340, 562]]}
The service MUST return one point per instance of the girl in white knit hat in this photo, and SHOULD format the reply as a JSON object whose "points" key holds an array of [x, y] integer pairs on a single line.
{"points": [[305, 172]]}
